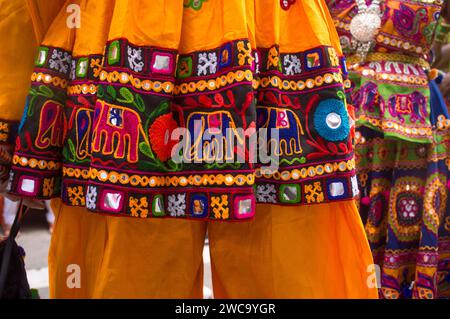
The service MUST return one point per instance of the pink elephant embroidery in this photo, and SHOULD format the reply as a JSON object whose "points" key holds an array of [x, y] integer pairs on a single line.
{"points": [[116, 130], [368, 99], [413, 105]]}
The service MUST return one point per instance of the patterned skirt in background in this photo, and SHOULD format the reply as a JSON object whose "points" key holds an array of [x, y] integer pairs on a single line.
{"points": [[405, 207]]}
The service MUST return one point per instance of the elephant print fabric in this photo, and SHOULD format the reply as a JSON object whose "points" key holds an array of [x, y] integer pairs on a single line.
{"points": [[171, 127]]}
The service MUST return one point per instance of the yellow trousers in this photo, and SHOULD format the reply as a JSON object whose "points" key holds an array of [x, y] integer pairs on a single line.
{"points": [[306, 252]]}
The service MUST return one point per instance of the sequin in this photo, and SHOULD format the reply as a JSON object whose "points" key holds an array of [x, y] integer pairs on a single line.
{"points": [[334, 120], [290, 193], [112, 201], [161, 63], [28, 185], [337, 189], [245, 206]]}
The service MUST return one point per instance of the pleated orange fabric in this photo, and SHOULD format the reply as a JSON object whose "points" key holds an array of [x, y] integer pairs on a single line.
{"points": [[308, 252], [317, 252]]}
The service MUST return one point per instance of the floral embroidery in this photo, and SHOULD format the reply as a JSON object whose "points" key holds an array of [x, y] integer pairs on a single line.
{"points": [[403, 213], [177, 205], [292, 64], [160, 134], [60, 61], [406, 206], [135, 59], [331, 120], [266, 193], [328, 137], [435, 200], [207, 63]]}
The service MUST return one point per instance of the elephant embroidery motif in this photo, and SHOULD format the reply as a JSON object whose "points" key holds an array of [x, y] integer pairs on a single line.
{"points": [[51, 126], [288, 126], [117, 130], [369, 99], [413, 105], [209, 136]]}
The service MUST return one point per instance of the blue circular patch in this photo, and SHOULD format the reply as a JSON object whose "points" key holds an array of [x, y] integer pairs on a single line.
{"points": [[331, 120]]}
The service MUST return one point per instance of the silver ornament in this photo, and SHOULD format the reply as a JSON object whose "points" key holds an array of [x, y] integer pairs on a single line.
{"points": [[365, 26], [334, 120]]}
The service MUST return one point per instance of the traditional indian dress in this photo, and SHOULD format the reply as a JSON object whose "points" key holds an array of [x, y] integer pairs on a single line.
{"points": [[99, 134], [402, 147]]}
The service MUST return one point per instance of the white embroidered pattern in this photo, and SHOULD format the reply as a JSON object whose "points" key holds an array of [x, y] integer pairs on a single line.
{"points": [[60, 61], [177, 205], [266, 193], [135, 59], [292, 64], [73, 70], [207, 63], [91, 197]]}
